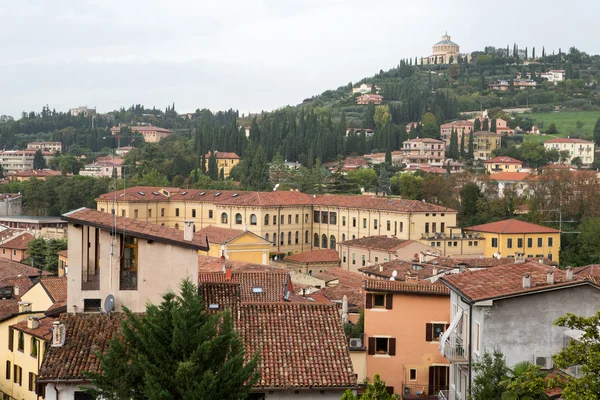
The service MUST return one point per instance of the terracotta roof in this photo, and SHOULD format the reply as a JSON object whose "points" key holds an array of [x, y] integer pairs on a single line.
{"points": [[301, 345], [219, 235], [511, 226], [349, 284], [19, 242], [222, 155], [60, 307], [424, 140], [87, 333], [383, 242], [256, 287], [13, 269], [315, 256], [568, 140], [23, 283], [216, 264], [380, 285], [219, 296], [55, 287], [510, 176], [403, 269], [63, 253], [279, 198], [507, 281], [32, 173], [135, 227], [503, 160], [44, 331], [379, 203], [8, 307], [588, 271], [470, 262]]}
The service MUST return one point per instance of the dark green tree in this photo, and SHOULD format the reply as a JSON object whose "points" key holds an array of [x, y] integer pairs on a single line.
{"points": [[597, 132], [485, 126], [222, 174], [37, 252], [462, 144], [388, 157], [38, 160], [383, 186], [376, 390], [176, 350], [493, 125], [471, 145], [489, 372], [453, 150], [552, 129], [470, 195], [256, 170], [476, 125], [213, 168]]}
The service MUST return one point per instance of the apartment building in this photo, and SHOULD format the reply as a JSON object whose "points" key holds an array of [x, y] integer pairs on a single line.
{"points": [[292, 221], [365, 88], [151, 134], [82, 110], [584, 149], [104, 166], [511, 308], [503, 164], [225, 161], [484, 143], [20, 160], [369, 98], [45, 146], [404, 321], [460, 127], [424, 150], [511, 238]]}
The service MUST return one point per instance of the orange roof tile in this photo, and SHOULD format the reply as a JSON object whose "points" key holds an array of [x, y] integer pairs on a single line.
{"points": [[510, 176], [55, 287], [507, 281], [135, 227], [383, 242], [219, 235], [19, 242], [511, 226], [503, 160], [44, 331], [315, 256], [272, 284], [423, 287], [568, 140]]}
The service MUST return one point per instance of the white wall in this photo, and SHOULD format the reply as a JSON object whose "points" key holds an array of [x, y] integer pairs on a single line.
{"points": [[304, 395], [65, 392]]}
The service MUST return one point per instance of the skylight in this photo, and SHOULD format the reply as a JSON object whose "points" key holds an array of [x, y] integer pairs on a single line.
{"points": [[155, 193], [213, 306], [202, 194], [235, 195], [257, 289], [217, 194], [184, 193], [142, 193]]}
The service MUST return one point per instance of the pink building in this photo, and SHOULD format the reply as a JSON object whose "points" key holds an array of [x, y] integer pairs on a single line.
{"points": [[460, 127], [369, 98], [152, 134]]}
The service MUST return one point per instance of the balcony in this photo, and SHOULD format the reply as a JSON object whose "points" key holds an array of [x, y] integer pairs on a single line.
{"points": [[455, 349], [422, 391], [450, 394], [90, 282]]}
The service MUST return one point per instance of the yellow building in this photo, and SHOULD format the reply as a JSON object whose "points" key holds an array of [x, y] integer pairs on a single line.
{"points": [[454, 242], [512, 238], [63, 262], [291, 221], [24, 336], [484, 142], [225, 161], [234, 244], [503, 164]]}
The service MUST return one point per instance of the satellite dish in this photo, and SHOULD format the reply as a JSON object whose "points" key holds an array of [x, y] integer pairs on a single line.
{"points": [[392, 279], [109, 303], [496, 255], [394, 274]]}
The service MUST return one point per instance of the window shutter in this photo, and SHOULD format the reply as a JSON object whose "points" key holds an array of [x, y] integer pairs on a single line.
{"points": [[432, 386], [371, 346], [428, 332], [392, 346], [447, 326], [388, 301], [369, 301]]}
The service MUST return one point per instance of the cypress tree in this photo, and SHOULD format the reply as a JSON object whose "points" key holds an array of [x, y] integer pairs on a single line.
{"points": [[485, 126], [471, 146], [462, 144], [213, 168], [493, 125], [477, 125], [597, 132], [453, 151]]}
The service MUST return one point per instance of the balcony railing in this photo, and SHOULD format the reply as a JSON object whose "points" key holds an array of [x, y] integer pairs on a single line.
{"points": [[444, 395], [90, 282], [455, 349], [422, 391]]}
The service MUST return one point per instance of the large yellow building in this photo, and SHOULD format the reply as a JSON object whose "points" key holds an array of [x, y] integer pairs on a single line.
{"points": [[511, 238], [291, 221], [234, 244], [225, 161], [485, 143]]}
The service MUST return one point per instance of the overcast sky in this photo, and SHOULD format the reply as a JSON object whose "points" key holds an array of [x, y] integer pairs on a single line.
{"points": [[250, 55]]}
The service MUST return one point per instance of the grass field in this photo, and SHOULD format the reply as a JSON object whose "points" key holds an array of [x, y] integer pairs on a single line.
{"points": [[566, 123]]}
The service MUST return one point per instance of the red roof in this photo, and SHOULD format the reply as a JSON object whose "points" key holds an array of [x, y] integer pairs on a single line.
{"points": [[486, 133], [424, 140], [272, 284], [512, 226], [404, 269], [315, 256], [503, 160], [510, 176], [33, 173], [423, 287], [383, 242], [135, 227], [55, 287], [507, 280], [19, 242], [44, 331], [219, 235], [568, 140], [223, 155]]}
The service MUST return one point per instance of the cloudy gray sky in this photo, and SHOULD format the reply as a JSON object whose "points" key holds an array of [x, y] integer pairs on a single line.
{"points": [[250, 55]]}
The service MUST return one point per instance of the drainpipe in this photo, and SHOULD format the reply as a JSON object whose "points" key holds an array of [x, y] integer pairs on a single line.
{"points": [[470, 345], [56, 390]]}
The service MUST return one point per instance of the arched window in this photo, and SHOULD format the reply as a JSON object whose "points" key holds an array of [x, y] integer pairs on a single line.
{"points": [[224, 218], [289, 237], [176, 226], [353, 237], [316, 240], [267, 219], [282, 238], [306, 237], [297, 237], [238, 219], [332, 242], [267, 237], [252, 219], [343, 237], [324, 241]]}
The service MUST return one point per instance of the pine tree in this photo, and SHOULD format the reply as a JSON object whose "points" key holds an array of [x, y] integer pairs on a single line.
{"points": [[256, 170], [213, 168], [176, 350], [477, 125], [222, 174], [597, 132], [39, 162], [471, 146], [383, 186], [533, 53], [388, 157]]}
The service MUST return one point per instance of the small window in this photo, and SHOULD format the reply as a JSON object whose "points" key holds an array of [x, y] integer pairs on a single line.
{"points": [[353, 259], [434, 332], [150, 213], [297, 218], [333, 218], [267, 219], [364, 222], [253, 220], [21, 342], [378, 300], [477, 336], [530, 242], [11, 339], [8, 368], [475, 243], [297, 238], [135, 213], [509, 243], [193, 213], [375, 224], [354, 222], [540, 242], [376, 260], [238, 219], [210, 213], [122, 213], [91, 305], [381, 345], [34, 347], [224, 218], [324, 217], [282, 220], [162, 212], [389, 225], [412, 374], [31, 382], [316, 240], [306, 237], [494, 242], [550, 242], [344, 221], [274, 219], [520, 243], [344, 257]]}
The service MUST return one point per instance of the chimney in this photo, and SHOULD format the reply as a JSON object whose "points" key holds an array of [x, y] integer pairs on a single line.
{"points": [[381, 268], [435, 271], [228, 274], [24, 307], [188, 230], [526, 281], [58, 334], [421, 257], [550, 278], [569, 273], [33, 322], [16, 290]]}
